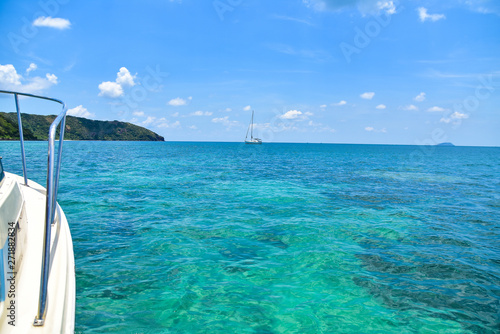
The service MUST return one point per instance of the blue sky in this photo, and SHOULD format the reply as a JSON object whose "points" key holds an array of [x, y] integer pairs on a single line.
{"points": [[344, 71]]}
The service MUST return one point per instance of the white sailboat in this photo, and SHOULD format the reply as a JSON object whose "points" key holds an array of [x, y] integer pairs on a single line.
{"points": [[252, 140], [37, 265]]}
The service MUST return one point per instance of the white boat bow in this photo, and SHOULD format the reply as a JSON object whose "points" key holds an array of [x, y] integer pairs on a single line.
{"points": [[37, 268]]}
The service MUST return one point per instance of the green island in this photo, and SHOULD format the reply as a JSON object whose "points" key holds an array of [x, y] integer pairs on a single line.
{"points": [[36, 127]]}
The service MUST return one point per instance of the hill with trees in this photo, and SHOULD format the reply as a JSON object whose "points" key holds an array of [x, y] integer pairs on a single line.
{"points": [[36, 127]]}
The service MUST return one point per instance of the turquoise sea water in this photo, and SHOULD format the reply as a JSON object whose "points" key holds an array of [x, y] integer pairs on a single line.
{"points": [[280, 238]]}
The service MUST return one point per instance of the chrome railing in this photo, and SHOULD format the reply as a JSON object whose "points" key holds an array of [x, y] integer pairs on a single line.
{"points": [[52, 187]]}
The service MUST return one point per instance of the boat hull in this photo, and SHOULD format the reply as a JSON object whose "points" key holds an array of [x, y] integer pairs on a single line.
{"points": [[22, 283]]}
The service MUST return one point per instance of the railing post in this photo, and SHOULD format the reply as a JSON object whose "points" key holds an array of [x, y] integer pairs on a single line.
{"points": [[21, 138], [44, 281], [58, 168]]}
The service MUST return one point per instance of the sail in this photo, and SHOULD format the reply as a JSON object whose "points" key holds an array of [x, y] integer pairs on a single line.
{"points": [[252, 139]]}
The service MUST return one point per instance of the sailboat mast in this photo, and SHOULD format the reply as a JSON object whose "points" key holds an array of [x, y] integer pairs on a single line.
{"points": [[247, 134], [251, 131]]}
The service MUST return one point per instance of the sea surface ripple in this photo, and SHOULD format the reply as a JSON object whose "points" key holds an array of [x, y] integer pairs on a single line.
{"points": [[280, 238]]}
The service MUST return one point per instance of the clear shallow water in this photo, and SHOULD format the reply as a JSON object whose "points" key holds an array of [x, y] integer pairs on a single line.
{"points": [[280, 238]]}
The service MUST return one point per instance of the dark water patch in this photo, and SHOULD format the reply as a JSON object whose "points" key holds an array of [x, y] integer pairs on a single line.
{"points": [[368, 200], [376, 263], [124, 231], [274, 236], [482, 222], [232, 269], [188, 299], [236, 253], [440, 240], [108, 294], [467, 295], [471, 312], [274, 242], [494, 204], [112, 295], [135, 287]]}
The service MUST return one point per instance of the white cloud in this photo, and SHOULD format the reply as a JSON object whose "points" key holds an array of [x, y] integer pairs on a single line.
{"points": [[138, 113], [319, 127], [225, 121], [124, 78], [424, 16], [9, 76], [32, 67], [372, 129], [247, 108], [193, 127], [201, 113], [364, 6], [276, 126], [323, 106], [367, 95], [291, 114], [166, 124], [409, 107], [294, 19], [37, 83], [387, 6], [228, 109], [110, 89], [115, 89], [11, 80], [457, 115], [51, 78], [381, 106], [80, 111], [420, 97], [374, 7], [454, 117], [221, 119], [52, 22], [436, 109], [175, 114], [341, 103], [149, 120], [318, 55], [177, 102], [483, 6]]}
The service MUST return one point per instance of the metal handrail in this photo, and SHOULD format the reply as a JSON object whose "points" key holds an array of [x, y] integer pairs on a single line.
{"points": [[52, 188]]}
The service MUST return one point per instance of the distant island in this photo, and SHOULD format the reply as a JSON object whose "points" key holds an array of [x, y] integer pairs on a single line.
{"points": [[445, 144], [36, 127]]}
